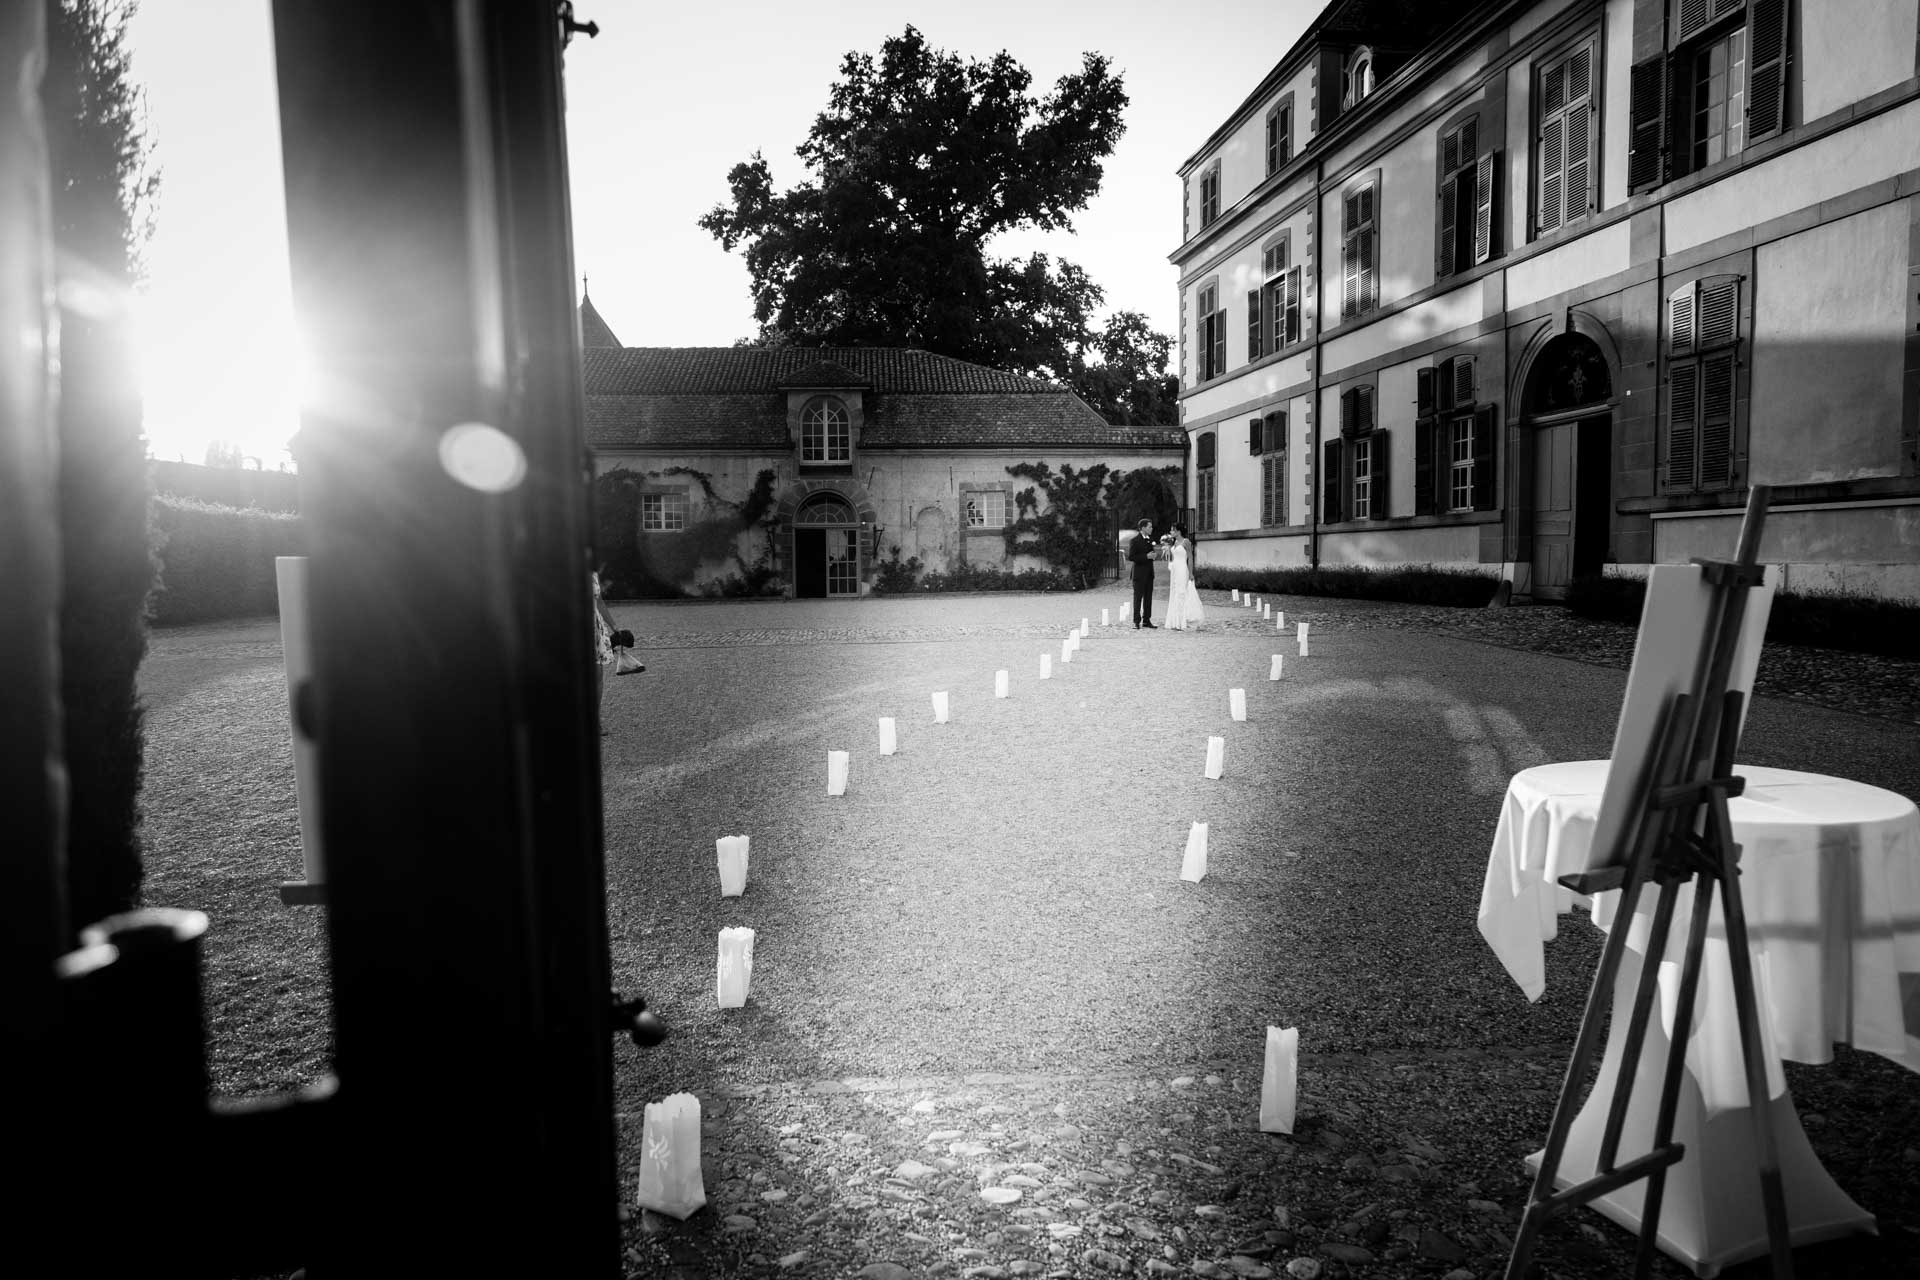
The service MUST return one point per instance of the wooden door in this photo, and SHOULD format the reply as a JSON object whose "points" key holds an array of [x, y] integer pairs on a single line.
{"points": [[1555, 474]]}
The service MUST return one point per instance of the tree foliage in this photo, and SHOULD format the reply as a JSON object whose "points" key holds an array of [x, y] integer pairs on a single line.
{"points": [[1077, 528], [1130, 386], [102, 189], [919, 161]]}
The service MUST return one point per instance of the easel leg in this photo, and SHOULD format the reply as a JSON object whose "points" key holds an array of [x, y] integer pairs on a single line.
{"points": [[1676, 1067]]}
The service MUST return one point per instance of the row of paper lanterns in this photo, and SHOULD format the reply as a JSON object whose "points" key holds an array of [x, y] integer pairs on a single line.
{"points": [[664, 1184]]}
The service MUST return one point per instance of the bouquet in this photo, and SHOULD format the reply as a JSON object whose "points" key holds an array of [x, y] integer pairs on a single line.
{"points": [[622, 639]]}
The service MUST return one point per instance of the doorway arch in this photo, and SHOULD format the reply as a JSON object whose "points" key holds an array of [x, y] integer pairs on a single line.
{"points": [[826, 548], [1567, 400]]}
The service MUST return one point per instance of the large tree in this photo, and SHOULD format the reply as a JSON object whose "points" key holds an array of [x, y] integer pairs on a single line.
{"points": [[918, 163], [102, 186], [1130, 385]]}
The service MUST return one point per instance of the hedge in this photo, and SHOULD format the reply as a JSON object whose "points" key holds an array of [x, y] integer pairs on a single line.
{"points": [[1823, 619], [217, 562], [1413, 584]]}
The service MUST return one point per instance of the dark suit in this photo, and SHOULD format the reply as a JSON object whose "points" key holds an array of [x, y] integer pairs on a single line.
{"points": [[1140, 554]]}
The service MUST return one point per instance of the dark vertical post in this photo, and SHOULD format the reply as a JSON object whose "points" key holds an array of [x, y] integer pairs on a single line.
{"points": [[441, 458], [32, 872]]}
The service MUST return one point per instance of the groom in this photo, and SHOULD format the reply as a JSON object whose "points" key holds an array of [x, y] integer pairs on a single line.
{"points": [[1141, 553]]}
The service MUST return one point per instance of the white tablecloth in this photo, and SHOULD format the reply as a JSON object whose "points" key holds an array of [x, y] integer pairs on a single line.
{"points": [[1830, 878]]}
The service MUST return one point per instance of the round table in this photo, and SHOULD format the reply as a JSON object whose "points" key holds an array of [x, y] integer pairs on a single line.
{"points": [[1830, 879]]}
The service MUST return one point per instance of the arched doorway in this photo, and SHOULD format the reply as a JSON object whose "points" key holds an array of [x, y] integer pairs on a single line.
{"points": [[1143, 494], [826, 548], [1569, 418]]}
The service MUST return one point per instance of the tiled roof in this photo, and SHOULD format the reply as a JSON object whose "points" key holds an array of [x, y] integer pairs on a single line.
{"points": [[595, 332], [676, 397], [823, 373], [692, 370]]}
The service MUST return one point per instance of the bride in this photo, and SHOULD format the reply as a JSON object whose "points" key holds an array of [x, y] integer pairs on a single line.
{"points": [[1183, 598]]}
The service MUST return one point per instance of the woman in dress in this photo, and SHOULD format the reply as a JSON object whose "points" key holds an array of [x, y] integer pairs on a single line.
{"points": [[1183, 598]]}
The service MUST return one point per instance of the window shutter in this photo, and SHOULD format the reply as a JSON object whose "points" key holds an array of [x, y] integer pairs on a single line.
{"points": [[1330, 483], [1219, 343], [1362, 409], [1718, 320], [1552, 179], [1485, 492], [1716, 421], [1647, 124], [1449, 151], [1347, 412], [1350, 276], [1253, 324], [1203, 450], [1683, 406], [1579, 161], [1293, 304], [1443, 240], [1484, 173], [1462, 381], [1680, 320], [1369, 275], [1424, 493], [1255, 436], [1424, 388], [1767, 66], [1382, 484]]}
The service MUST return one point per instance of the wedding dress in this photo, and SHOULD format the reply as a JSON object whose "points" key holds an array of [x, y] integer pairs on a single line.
{"points": [[1183, 598]]}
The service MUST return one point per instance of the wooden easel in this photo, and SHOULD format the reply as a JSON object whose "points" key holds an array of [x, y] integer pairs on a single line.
{"points": [[1677, 829]]}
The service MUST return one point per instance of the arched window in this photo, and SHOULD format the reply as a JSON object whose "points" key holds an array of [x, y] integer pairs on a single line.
{"points": [[827, 509], [1359, 75], [824, 433]]}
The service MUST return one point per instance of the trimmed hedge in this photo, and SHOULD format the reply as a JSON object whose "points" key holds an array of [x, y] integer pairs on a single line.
{"points": [[217, 562], [1822, 619], [1414, 584], [226, 486]]}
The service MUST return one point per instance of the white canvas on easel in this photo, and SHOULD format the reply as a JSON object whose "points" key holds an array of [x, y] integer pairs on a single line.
{"points": [[1666, 662]]}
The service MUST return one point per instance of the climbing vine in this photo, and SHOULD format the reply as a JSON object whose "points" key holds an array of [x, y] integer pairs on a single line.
{"points": [[663, 564], [1075, 531]]}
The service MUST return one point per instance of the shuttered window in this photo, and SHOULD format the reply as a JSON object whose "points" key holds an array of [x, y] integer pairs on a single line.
{"points": [[1210, 194], [1453, 441], [1565, 141], [1465, 232], [1359, 249], [1212, 356], [1277, 304], [1273, 469], [1354, 481], [1721, 89], [1279, 135], [1703, 360]]}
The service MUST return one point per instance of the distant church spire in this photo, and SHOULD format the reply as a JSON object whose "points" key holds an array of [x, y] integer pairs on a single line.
{"points": [[594, 331]]}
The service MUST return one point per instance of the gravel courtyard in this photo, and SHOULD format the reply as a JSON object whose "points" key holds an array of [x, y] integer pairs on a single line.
{"points": [[979, 967]]}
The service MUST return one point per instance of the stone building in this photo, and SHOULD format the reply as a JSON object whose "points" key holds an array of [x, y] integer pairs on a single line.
{"points": [[867, 449], [1544, 286]]}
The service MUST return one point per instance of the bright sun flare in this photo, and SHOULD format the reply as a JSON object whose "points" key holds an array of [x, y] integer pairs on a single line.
{"points": [[210, 377]]}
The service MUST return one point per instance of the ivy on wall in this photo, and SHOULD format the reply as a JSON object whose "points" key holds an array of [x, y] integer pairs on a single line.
{"points": [[662, 565], [1084, 507]]}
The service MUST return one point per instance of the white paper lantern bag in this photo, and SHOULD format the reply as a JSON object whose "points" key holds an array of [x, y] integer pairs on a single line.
{"points": [[1046, 666], [1266, 611], [1236, 595], [1279, 1080], [1303, 639], [837, 762], [999, 684], [1106, 618], [736, 967], [1280, 620], [889, 742], [1273, 672], [732, 851], [1237, 703], [1066, 651], [1083, 628], [1216, 756], [670, 1157], [1194, 865], [939, 708]]}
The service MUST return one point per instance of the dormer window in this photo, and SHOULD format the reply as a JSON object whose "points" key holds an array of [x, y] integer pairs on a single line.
{"points": [[825, 436], [1359, 76]]}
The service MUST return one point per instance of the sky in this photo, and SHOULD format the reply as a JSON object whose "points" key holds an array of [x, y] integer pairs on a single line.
{"points": [[660, 106]]}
